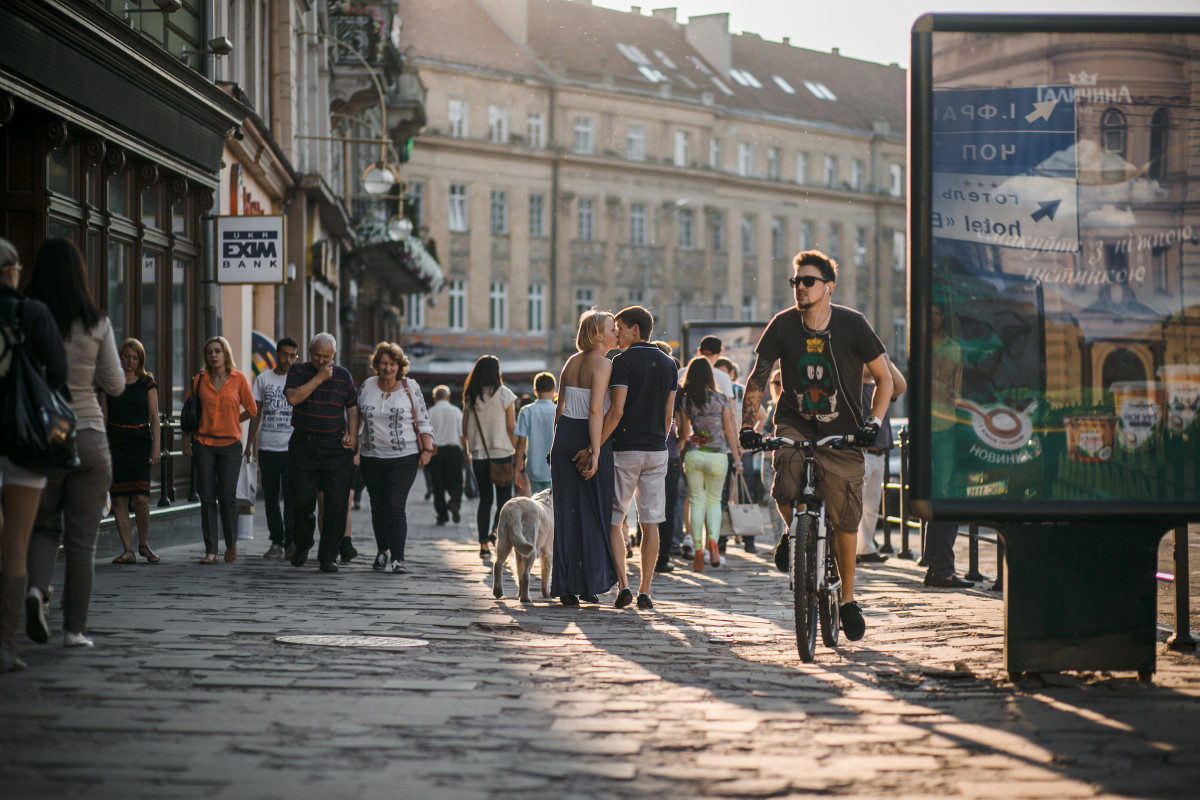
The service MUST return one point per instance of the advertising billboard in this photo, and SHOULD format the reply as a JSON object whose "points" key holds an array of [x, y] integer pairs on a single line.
{"points": [[1055, 286]]}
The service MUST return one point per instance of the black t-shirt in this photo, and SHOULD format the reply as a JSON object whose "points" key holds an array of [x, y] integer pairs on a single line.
{"points": [[132, 406], [822, 370], [649, 376]]}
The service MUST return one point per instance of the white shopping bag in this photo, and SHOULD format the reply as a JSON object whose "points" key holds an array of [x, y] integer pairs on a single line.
{"points": [[247, 485]]}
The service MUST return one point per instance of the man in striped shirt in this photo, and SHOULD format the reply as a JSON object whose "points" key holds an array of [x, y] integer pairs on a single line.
{"points": [[321, 451]]}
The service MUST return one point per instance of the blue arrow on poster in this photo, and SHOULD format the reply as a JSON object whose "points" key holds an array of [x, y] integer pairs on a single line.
{"points": [[1004, 167]]}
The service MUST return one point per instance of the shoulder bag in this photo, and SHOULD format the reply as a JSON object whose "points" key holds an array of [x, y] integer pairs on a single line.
{"points": [[38, 423], [189, 415], [499, 472], [416, 431], [744, 518]]}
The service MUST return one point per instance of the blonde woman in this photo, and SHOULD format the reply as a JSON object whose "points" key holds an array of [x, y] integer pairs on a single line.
{"points": [[583, 561], [216, 448], [396, 440], [131, 419]]}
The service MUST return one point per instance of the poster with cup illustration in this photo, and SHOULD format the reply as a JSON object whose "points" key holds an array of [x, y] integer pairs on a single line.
{"points": [[1056, 255]]}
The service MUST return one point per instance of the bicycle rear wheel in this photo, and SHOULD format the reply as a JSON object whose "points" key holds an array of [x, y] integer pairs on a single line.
{"points": [[804, 584], [829, 600]]}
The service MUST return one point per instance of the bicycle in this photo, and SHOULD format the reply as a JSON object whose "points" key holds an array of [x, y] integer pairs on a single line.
{"points": [[810, 557]]}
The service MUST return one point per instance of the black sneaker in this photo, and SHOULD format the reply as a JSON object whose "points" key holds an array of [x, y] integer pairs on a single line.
{"points": [[664, 567], [644, 602], [870, 558], [440, 521], [329, 566], [722, 543], [298, 558], [589, 598], [852, 621], [36, 627], [398, 568], [289, 552], [454, 515], [748, 544], [347, 550], [569, 600], [381, 562], [624, 598], [781, 553]]}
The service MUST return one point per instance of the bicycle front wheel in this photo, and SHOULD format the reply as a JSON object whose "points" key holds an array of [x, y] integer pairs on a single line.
{"points": [[804, 583]]}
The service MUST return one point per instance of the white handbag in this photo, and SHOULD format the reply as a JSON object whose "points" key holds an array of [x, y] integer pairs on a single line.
{"points": [[745, 519]]}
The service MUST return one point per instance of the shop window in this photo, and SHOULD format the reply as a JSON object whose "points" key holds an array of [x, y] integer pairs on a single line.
{"points": [[178, 339], [60, 170], [118, 194], [118, 284], [150, 207], [148, 330], [179, 217]]}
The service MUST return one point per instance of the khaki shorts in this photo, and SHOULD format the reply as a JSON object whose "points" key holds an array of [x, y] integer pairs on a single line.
{"points": [[644, 474], [839, 475]]}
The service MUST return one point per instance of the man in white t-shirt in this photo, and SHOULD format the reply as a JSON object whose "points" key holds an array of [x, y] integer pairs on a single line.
{"points": [[446, 465], [711, 347], [270, 433]]}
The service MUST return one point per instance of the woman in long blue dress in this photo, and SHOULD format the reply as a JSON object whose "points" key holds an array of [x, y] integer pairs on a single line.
{"points": [[583, 561]]}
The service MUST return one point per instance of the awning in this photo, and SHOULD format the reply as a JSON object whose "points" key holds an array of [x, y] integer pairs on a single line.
{"points": [[407, 263]]}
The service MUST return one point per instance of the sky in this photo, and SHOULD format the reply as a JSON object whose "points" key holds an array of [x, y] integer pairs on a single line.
{"points": [[873, 30]]}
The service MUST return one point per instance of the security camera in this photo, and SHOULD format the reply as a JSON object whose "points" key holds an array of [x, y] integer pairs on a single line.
{"points": [[220, 46]]}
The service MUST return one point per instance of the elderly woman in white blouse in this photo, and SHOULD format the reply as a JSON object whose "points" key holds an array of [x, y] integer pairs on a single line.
{"points": [[395, 441]]}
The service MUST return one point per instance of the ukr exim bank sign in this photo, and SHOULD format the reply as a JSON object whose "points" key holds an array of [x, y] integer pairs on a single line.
{"points": [[250, 250]]}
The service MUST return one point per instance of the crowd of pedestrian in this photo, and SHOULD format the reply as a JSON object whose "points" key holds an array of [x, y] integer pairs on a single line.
{"points": [[624, 434]]}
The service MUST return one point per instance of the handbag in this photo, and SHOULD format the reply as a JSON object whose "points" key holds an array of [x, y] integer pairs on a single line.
{"points": [[247, 485], [189, 415], [38, 424], [500, 473], [416, 431], [744, 518]]}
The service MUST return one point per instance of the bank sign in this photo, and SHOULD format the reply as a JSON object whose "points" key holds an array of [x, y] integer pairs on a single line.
{"points": [[250, 250], [1004, 167]]}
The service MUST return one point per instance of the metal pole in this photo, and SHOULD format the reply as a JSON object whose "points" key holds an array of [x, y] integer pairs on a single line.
{"points": [[998, 586], [1182, 638], [164, 441], [973, 573], [905, 550]]}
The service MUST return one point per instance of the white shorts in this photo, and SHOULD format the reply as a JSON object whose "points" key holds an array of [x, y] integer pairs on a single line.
{"points": [[13, 475], [643, 473]]}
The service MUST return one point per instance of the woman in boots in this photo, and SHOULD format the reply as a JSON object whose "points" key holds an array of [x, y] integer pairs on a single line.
{"points": [[22, 487]]}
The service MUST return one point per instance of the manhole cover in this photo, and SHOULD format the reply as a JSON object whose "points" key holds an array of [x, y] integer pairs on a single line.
{"points": [[360, 642]]}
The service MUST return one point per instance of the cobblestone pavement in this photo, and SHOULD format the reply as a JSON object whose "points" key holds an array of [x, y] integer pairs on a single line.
{"points": [[188, 692]]}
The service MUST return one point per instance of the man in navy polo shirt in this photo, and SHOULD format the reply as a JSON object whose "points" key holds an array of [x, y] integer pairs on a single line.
{"points": [[642, 391], [321, 451]]}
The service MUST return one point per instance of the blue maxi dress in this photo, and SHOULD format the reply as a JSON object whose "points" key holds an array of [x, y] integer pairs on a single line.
{"points": [[583, 561]]}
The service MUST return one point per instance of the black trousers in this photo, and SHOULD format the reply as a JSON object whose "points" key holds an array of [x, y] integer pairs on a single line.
{"points": [[216, 473], [389, 480], [273, 466], [483, 515], [446, 474], [319, 466], [669, 533]]}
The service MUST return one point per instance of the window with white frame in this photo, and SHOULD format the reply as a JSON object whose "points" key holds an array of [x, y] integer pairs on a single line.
{"points": [[899, 251], [802, 168], [635, 142], [830, 170], [537, 216], [687, 226], [747, 307], [637, 224], [714, 153], [773, 163], [458, 119], [745, 158], [585, 299], [636, 297], [498, 306], [717, 227], [860, 247], [457, 291], [499, 214], [857, 173], [747, 235], [683, 149], [834, 250], [537, 308], [414, 311], [458, 208], [498, 124], [537, 129], [806, 235], [777, 238], [585, 134], [587, 221], [896, 180], [416, 199]]}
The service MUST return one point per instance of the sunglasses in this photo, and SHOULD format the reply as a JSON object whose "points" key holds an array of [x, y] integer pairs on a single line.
{"points": [[808, 280]]}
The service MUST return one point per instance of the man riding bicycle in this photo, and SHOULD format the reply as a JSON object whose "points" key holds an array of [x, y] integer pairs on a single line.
{"points": [[821, 349]]}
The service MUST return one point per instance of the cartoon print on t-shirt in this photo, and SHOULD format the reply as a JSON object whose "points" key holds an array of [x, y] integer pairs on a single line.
{"points": [[817, 396]]}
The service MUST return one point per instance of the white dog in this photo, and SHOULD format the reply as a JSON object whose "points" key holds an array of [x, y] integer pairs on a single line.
{"points": [[527, 527]]}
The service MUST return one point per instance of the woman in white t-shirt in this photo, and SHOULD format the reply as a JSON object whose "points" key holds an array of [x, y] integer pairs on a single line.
{"points": [[395, 441], [489, 419]]}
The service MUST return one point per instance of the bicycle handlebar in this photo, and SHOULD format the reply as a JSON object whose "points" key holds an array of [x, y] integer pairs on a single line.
{"points": [[837, 442]]}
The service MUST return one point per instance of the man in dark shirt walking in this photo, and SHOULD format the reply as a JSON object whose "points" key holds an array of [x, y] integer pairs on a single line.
{"points": [[321, 451], [644, 382]]}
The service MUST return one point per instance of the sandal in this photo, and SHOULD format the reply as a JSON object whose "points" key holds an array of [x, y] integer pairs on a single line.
{"points": [[210, 558], [125, 558], [230, 554], [148, 554]]}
